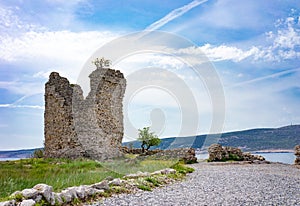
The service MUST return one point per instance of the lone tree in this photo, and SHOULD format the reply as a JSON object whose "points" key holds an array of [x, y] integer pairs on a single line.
{"points": [[148, 138]]}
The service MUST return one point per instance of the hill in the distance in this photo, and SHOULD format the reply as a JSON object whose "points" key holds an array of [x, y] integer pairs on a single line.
{"points": [[17, 153], [283, 138]]}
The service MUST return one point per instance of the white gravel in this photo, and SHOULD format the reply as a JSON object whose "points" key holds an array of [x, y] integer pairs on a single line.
{"points": [[223, 184]]}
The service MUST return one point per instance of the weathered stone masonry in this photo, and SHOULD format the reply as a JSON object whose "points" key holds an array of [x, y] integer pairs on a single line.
{"points": [[77, 127]]}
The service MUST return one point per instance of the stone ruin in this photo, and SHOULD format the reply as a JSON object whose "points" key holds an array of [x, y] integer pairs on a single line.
{"points": [[218, 153], [297, 154], [90, 127]]}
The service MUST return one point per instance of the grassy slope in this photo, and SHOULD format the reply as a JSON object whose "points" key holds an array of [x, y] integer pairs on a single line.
{"points": [[62, 173]]}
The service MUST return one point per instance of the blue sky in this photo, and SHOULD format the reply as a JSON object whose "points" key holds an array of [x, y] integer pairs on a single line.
{"points": [[254, 47]]}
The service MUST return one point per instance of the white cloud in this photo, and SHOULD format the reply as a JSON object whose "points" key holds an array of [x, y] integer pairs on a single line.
{"points": [[11, 24], [61, 51], [61, 45], [285, 43]]}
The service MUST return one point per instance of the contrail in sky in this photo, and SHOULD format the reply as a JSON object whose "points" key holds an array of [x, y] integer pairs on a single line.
{"points": [[265, 77], [173, 15]]}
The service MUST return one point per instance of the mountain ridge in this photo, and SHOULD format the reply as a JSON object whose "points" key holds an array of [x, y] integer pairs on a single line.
{"points": [[282, 138], [257, 139]]}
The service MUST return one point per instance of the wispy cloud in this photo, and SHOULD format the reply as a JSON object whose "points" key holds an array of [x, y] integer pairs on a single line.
{"points": [[278, 74], [22, 88], [21, 106], [174, 14]]}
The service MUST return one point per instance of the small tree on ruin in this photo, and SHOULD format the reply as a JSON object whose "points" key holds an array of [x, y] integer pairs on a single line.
{"points": [[148, 139]]}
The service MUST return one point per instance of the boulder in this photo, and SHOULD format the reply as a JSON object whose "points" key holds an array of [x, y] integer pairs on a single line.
{"points": [[30, 193], [65, 196], [46, 191], [103, 185], [29, 202], [8, 203], [115, 182], [58, 199]]}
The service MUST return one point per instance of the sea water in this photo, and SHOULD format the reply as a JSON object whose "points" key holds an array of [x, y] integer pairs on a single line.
{"points": [[283, 157], [8, 159]]}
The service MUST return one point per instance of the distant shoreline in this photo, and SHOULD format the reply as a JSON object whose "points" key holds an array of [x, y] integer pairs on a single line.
{"points": [[259, 151], [274, 151]]}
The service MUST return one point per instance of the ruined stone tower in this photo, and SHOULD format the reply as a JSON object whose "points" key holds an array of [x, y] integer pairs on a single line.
{"points": [[77, 127]]}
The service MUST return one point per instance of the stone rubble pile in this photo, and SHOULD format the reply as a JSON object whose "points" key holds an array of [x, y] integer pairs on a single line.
{"points": [[43, 194], [218, 153]]}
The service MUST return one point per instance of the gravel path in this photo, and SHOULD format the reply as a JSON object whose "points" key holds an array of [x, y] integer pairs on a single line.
{"points": [[224, 184]]}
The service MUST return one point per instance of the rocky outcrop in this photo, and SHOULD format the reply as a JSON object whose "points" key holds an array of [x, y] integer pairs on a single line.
{"points": [[77, 127], [218, 153], [297, 153]]}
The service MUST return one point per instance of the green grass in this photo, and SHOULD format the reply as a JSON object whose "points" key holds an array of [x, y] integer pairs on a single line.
{"points": [[133, 165], [154, 181], [144, 187], [63, 173], [59, 173], [181, 168]]}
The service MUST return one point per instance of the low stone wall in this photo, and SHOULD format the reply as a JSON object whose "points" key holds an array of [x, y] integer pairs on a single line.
{"points": [[188, 155], [185, 154], [139, 151], [42, 194], [297, 153], [219, 153]]}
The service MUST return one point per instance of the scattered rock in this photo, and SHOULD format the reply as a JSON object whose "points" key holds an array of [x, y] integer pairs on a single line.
{"points": [[137, 175], [29, 202], [16, 194], [29, 193], [101, 185], [167, 171], [46, 191], [65, 196], [58, 199], [8, 203], [115, 182]]}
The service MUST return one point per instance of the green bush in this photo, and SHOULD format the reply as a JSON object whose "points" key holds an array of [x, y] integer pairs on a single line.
{"points": [[181, 168], [39, 153]]}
